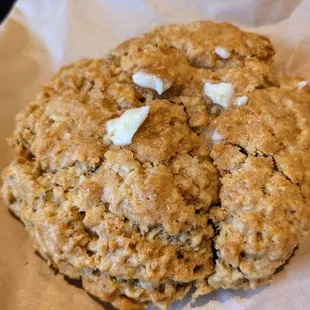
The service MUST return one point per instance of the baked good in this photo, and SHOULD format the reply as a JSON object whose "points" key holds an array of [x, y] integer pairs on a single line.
{"points": [[178, 162]]}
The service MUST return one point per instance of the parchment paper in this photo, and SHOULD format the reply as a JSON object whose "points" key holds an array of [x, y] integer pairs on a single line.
{"points": [[41, 35]]}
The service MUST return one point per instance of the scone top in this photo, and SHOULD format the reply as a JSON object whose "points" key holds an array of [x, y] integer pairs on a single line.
{"points": [[146, 216]]}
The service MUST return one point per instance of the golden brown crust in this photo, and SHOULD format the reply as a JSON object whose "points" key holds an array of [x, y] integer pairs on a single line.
{"points": [[265, 184], [195, 41], [140, 223]]}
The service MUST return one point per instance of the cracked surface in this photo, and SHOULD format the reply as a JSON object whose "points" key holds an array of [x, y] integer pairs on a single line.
{"points": [[265, 185], [146, 222]]}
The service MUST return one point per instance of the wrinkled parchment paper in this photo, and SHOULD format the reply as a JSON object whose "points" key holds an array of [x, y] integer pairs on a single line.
{"points": [[41, 35]]}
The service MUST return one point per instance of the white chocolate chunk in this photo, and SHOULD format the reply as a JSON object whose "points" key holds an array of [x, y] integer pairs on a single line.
{"points": [[241, 101], [121, 130], [152, 81], [222, 52], [219, 93], [302, 84], [216, 136]]}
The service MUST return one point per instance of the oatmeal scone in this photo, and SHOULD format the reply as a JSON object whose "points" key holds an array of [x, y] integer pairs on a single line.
{"points": [[178, 162]]}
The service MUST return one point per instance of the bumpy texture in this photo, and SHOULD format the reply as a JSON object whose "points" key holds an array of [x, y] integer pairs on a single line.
{"points": [[173, 210]]}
